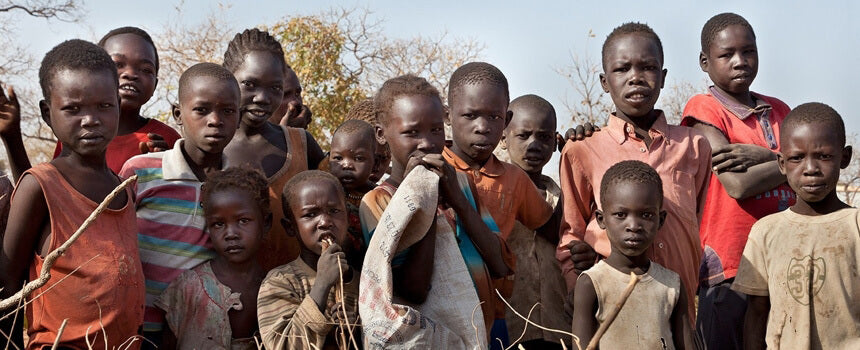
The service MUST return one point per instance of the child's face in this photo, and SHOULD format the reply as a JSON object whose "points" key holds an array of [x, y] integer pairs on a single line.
{"points": [[351, 159], [135, 63], [291, 105], [811, 159], [83, 110], [478, 114], [209, 113], [415, 123], [381, 161], [236, 225], [530, 139], [631, 216], [261, 81], [633, 74], [732, 59], [319, 212]]}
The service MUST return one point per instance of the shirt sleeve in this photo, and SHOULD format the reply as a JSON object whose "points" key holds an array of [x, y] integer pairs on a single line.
{"points": [[533, 209], [752, 272], [577, 209], [373, 204], [172, 301], [703, 109], [288, 316]]}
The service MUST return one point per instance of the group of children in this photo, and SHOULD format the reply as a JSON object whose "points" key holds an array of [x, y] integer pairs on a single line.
{"points": [[230, 237]]}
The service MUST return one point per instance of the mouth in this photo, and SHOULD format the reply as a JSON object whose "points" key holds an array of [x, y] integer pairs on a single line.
{"points": [[347, 179], [633, 242], [813, 187], [128, 89], [483, 147], [234, 249], [533, 160], [91, 137], [258, 113], [638, 96], [214, 137], [326, 239]]}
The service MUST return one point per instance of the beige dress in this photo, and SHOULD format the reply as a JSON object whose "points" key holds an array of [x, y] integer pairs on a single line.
{"points": [[645, 320]]}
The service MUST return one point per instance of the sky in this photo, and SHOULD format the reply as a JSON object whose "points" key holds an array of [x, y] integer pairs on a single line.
{"points": [[808, 50]]}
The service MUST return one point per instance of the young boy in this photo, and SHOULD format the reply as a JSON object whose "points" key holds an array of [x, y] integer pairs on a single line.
{"points": [[633, 76], [655, 314], [799, 267], [529, 139], [743, 129], [478, 113], [214, 305], [136, 59], [299, 305], [363, 110], [257, 61], [351, 162], [169, 219], [292, 112], [102, 288], [410, 121]]}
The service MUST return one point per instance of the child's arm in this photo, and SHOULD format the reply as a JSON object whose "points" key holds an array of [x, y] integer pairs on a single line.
{"points": [[682, 333], [755, 322], [10, 132], [584, 310], [329, 266], [549, 230], [412, 279], [743, 170], [27, 218], [315, 153]]}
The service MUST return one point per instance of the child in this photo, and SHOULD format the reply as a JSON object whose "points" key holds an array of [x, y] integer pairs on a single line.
{"points": [[529, 140], [743, 129], [102, 288], [214, 305], [410, 121], [351, 162], [633, 76], [257, 61], [363, 110], [136, 59], [170, 223], [292, 112], [655, 314], [799, 267], [478, 113], [297, 306]]}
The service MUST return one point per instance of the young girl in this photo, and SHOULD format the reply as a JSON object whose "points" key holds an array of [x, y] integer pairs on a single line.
{"points": [[257, 61], [214, 305]]}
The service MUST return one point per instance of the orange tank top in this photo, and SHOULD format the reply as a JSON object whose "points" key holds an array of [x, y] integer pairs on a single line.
{"points": [[278, 248], [104, 297]]}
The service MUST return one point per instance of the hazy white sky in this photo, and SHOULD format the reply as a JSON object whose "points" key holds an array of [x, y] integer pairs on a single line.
{"points": [[808, 49]]}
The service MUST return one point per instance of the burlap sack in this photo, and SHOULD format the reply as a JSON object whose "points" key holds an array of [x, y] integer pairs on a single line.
{"points": [[444, 320]]}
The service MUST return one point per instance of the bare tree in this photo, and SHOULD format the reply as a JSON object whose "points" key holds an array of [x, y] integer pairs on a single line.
{"points": [[674, 97], [590, 104]]}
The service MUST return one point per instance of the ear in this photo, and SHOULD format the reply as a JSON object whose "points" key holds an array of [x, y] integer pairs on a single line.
{"points": [[174, 111], [598, 215], [662, 218], [45, 110], [508, 116], [288, 226], [663, 82], [703, 62], [155, 83], [846, 157], [447, 117], [603, 83], [379, 134], [780, 162], [502, 144], [267, 223]]}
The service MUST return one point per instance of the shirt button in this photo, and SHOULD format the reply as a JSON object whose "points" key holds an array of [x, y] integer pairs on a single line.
{"points": [[642, 149], [629, 129], [660, 245]]}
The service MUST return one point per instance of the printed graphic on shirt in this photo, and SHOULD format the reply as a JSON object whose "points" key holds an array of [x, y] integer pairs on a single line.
{"points": [[805, 278]]}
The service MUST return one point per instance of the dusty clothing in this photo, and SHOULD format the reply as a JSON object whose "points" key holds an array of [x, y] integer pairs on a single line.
{"points": [[645, 320], [278, 248], [538, 279], [288, 316], [807, 266], [196, 307], [108, 287]]}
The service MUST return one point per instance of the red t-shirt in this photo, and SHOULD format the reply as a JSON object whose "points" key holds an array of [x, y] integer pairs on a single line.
{"points": [[726, 221], [123, 147]]}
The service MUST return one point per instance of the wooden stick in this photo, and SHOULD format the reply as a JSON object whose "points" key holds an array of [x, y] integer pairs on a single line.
{"points": [[59, 334], [45, 274], [614, 313]]}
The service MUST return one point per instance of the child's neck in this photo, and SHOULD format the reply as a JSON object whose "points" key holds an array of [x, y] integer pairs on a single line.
{"points": [[828, 205], [201, 162], [255, 130], [474, 164], [248, 271], [77, 161], [130, 121], [641, 125], [310, 258], [745, 98], [626, 264], [537, 179]]}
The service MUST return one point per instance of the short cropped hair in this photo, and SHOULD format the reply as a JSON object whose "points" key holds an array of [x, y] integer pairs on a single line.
{"points": [[719, 22], [243, 179], [73, 55], [363, 110], [630, 171], [136, 31], [292, 186], [358, 128], [477, 72], [204, 69], [535, 103], [631, 28], [252, 40], [817, 114], [404, 85]]}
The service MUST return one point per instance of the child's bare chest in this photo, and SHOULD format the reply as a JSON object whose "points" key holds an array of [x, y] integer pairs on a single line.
{"points": [[268, 154]]}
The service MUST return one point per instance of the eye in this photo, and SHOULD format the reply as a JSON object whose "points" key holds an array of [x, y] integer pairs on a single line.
{"points": [[216, 225], [277, 88], [71, 109], [148, 70], [795, 159], [229, 111], [244, 220], [105, 106], [647, 215], [522, 136], [200, 110], [247, 84], [334, 211], [619, 214], [437, 130], [337, 158], [825, 157], [469, 116], [309, 215]]}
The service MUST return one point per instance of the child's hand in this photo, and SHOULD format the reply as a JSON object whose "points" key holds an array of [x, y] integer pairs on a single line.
{"points": [[416, 158], [737, 157], [156, 143], [328, 269], [338, 316], [297, 116], [582, 255], [10, 114], [577, 133]]}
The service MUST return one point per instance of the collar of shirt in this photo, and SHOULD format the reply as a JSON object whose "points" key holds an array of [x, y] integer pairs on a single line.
{"points": [[740, 110], [492, 168], [175, 167], [621, 130]]}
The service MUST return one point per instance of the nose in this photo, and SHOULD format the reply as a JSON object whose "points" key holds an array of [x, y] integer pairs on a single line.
{"points": [[427, 146], [482, 125], [90, 119], [214, 120], [634, 225], [347, 163], [325, 221], [128, 73], [533, 145], [739, 60], [231, 233], [810, 167], [261, 97]]}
